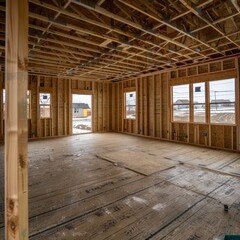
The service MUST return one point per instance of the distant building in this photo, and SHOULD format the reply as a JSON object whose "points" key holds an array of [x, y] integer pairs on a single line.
{"points": [[183, 103], [80, 110], [222, 102]]}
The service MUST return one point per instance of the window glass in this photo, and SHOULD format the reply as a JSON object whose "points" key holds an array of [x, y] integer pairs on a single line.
{"points": [[199, 93], [45, 105], [222, 91], [45, 98], [181, 113], [130, 105], [181, 103], [222, 101], [45, 111], [181, 94], [4, 102], [28, 103], [199, 106], [199, 113]]}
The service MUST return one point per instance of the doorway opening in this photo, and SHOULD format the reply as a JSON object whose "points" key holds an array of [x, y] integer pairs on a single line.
{"points": [[81, 113]]}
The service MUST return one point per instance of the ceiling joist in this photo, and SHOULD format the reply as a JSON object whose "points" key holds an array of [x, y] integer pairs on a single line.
{"points": [[115, 39]]}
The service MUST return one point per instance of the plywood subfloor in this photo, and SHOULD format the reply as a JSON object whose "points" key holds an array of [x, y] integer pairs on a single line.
{"points": [[136, 161], [76, 194]]}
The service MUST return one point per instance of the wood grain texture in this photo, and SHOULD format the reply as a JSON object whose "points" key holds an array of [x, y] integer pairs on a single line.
{"points": [[154, 106], [16, 133], [138, 161], [74, 194]]}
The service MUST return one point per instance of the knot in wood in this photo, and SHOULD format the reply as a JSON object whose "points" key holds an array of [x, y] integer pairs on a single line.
{"points": [[11, 205], [22, 64], [13, 226], [22, 161]]}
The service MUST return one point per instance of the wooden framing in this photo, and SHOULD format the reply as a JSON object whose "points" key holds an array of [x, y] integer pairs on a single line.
{"points": [[153, 104], [102, 50], [16, 160], [237, 99], [86, 48], [61, 89], [148, 113], [1, 101]]}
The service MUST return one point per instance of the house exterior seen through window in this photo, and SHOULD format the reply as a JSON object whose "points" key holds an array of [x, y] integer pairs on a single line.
{"points": [[222, 101], [28, 103], [181, 103], [130, 105], [45, 105], [195, 107], [199, 102]]}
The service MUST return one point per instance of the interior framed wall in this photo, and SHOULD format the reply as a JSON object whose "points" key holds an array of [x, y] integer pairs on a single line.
{"points": [[154, 106], [60, 122]]}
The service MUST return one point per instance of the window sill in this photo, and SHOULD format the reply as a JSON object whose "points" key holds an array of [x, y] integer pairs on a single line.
{"points": [[202, 123]]}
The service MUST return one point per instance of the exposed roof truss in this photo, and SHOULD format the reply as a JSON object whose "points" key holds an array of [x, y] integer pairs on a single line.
{"points": [[115, 39]]}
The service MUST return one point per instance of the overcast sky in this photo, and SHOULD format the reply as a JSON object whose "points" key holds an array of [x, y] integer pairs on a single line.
{"points": [[224, 89], [77, 98]]}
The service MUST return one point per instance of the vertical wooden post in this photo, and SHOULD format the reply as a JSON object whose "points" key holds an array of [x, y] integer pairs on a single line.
{"points": [[146, 105], [103, 93], [123, 107], [118, 108], [136, 131], [237, 107], [160, 102], [38, 109], [58, 99], [93, 107], [169, 106], [191, 108], [65, 107], [108, 107], [1, 104], [70, 106], [16, 176], [154, 105], [141, 106], [207, 112], [113, 107]]}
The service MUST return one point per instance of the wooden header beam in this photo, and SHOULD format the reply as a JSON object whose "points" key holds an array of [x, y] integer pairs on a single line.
{"points": [[16, 164]]}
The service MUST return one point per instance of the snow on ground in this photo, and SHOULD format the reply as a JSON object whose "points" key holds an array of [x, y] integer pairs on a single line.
{"points": [[82, 125]]}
